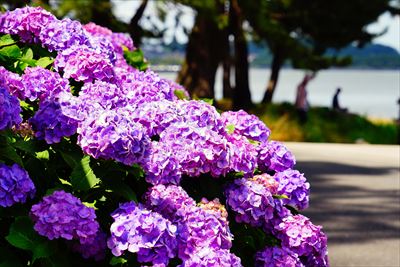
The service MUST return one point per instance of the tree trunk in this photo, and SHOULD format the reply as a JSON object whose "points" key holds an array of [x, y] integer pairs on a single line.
{"points": [[242, 96], [276, 66], [203, 55], [135, 31], [226, 68]]}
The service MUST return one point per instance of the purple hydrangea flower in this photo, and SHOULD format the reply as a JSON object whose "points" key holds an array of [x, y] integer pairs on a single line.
{"points": [[118, 40], [201, 229], [50, 124], [144, 232], [26, 22], [43, 84], [243, 155], [156, 116], [169, 200], [200, 113], [59, 35], [163, 165], [277, 257], [62, 215], [111, 135], [96, 248], [275, 156], [294, 185], [12, 82], [15, 185], [208, 257], [187, 149], [9, 110], [247, 125], [83, 63], [300, 236], [252, 199]]}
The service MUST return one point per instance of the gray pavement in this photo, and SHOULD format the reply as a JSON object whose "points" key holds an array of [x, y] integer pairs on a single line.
{"points": [[355, 195]]}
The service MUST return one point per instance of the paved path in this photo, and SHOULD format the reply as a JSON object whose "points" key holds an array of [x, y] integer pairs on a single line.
{"points": [[355, 195]]}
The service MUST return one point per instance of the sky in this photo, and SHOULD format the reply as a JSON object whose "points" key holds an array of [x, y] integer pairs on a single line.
{"points": [[126, 8]]}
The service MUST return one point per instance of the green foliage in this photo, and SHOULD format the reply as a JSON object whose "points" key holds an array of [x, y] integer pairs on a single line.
{"points": [[82, 176], [136, 59], [326, 125], [16, 56], [23, 236]]}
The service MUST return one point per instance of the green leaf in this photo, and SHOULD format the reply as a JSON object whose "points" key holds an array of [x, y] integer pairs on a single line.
{"points": [[44, 62], [28, 54], [180, 94], [71, 159], [123, 190], [6, 40], [280, 196], [23, 236], [230, 128], [82, 176], [11, 51], [43, 155], [8, 152], [117, 260], [42, 250], [209, 101]]}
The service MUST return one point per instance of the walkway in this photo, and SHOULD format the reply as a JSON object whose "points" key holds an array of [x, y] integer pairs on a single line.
{"points": [[355, 195]]}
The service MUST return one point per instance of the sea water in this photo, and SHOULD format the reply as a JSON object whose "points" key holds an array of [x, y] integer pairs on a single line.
{"points": [[373, 93]]}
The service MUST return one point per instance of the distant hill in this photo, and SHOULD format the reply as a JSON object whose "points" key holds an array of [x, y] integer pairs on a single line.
{"points": [[372, 56]]}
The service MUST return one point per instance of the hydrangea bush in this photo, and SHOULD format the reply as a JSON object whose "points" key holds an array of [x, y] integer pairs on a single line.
{"points": [[104, 163]]}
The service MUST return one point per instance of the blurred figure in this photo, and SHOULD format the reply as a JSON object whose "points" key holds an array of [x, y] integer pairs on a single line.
{"points": [[335, 101], [302, 104]]}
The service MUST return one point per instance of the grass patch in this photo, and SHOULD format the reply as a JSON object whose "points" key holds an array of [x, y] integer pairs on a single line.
{"points": [[325, 125]]}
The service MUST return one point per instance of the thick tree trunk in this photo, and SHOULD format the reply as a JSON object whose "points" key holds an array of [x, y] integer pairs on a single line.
{"points": [[276, 66], [242, 96], [203, 55]]}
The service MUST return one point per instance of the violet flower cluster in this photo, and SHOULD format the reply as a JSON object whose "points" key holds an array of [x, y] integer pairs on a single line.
{"points": [[62, 215], [299, 235], [277, 257], [252, 199], [15, 185], [274, 156], [135, 117], [9, 110], [203, 235], [294, 185], [144, 232], [247, 125]]}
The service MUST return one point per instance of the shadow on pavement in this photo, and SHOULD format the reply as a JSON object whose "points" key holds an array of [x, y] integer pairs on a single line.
{"points": [[353, 203]]}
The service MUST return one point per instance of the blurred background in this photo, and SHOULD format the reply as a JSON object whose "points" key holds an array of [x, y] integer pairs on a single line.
{"points": [[280, 59]]}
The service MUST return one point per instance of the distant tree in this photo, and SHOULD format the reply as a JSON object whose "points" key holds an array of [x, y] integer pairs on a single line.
{"points": [[302, 30]]}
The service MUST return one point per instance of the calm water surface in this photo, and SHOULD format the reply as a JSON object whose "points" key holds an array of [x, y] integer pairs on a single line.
{"points": [[368, 92]]}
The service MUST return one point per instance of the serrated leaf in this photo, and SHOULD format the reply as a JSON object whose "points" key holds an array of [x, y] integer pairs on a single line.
{"points": [[117, 260], [123, 190], [44, 62], [6, 40], [8, 152], [42, 250], [23, 236], [82, 176], [12, 51]]}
